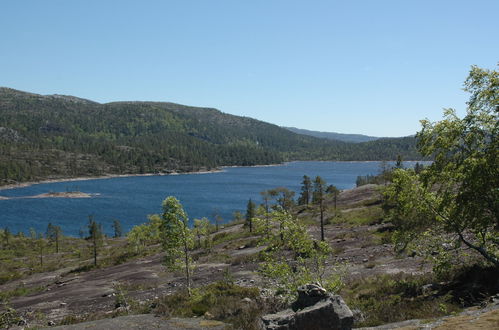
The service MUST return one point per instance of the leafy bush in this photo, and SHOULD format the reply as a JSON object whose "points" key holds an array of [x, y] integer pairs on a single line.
{"points": [[9, 318], [394, 298], [222, 300]]}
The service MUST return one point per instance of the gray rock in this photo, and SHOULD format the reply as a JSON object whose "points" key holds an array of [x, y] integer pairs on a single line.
{"points": [[146, 321], [315, 309], [358, 316], [308, 295]]}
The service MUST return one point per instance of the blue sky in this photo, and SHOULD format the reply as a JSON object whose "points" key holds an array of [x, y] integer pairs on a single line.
{"points": [[370, 67]]}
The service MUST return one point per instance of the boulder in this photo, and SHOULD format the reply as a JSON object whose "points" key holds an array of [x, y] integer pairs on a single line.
{"points": [[308, 295], [315, 309]]}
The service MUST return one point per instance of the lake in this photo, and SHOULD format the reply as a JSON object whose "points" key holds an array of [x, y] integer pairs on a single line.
{"points": [[131, 199]]}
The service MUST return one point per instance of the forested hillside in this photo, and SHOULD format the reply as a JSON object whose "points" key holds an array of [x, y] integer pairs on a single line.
{"points": [[57, 136], [333, 135]]}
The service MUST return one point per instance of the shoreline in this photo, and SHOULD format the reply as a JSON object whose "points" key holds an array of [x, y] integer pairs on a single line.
{"points": [[70, 194], [218, 170], [101, 177]]}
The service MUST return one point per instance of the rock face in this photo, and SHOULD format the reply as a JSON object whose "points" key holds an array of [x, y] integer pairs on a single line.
{"points": [[315, 309]]}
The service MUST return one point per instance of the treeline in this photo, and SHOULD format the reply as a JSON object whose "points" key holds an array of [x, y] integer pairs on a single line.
{"points": [[62, 136], [385, 174]]}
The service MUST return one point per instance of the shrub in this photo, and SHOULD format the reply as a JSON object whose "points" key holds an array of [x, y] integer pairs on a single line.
{"points": [[223, 300]]}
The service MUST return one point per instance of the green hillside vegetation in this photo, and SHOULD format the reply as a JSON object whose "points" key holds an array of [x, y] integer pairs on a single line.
{"points": [[59, 136], [418, 244], [238, 274], [334, 136]]}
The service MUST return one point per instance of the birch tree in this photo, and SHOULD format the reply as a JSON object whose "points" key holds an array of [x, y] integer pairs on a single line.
{"points": [[177, 239]]}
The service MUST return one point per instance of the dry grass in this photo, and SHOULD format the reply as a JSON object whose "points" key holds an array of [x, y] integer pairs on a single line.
{"points": [[487, 320]]}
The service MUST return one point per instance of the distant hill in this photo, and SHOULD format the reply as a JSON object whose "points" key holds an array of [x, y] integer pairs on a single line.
{"points": [[53, 136], [356, 138]]}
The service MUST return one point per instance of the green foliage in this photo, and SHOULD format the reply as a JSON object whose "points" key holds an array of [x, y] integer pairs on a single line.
{"points": [[237, 217], [250, 214], [6, 235], [145, 234], [9, 317], [360, 216], [177, 238], [223, 300], [32, 233], [121, 299], [54, 234], [292, 257], [283, 198], [19, 291], [399, 163], [306, 191], [318, 197], [319, 190], [368, 179], [393, 298], [455, 201], [118, 231], [95, 236], [202, 230], [47, 136], [26, 256]]}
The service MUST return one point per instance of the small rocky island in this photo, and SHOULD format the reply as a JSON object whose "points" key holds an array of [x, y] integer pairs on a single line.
{"points": [[52, 194]]}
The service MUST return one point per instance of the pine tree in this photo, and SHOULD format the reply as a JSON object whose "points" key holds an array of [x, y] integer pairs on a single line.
{"points": [[6, 235], [53, 234], [306, 190], [250, 214], [95, 235], [331, 189], [318, 198], [41, 245], [399, 163], [118, 231]]}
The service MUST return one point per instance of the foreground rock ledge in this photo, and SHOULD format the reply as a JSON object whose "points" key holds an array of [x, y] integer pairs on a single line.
{"points": [[145, 321], [315, 309]]}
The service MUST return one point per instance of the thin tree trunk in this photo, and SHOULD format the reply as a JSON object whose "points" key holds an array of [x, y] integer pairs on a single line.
{"points": [[335, 200], [322, 220], [95, 251], [267, 220], [187, 267], [41, 255]]}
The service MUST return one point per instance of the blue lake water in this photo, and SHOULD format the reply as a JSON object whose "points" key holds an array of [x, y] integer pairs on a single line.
{"points": [[131, 199]]}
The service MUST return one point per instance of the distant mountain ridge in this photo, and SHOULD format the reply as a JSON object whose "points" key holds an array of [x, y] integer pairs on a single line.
{"points": [[356, 138], [54, 136]]}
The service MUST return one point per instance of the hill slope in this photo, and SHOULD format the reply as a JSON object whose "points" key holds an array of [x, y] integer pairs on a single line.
{"points": [[357, 138], [65, 136]]}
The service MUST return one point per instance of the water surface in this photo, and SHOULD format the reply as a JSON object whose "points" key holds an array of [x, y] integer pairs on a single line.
{"points": [[131, 199]]}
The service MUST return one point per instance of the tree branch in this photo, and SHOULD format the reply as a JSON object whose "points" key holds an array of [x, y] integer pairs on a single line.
{"points": [[480, 250]]}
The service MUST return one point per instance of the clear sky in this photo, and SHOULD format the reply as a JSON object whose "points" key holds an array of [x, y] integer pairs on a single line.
{"points": [[373, 67]]}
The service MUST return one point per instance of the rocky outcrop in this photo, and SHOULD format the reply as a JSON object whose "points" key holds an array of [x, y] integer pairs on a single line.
{"points": [[315, 309], [146, 321], [10, 135]]}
